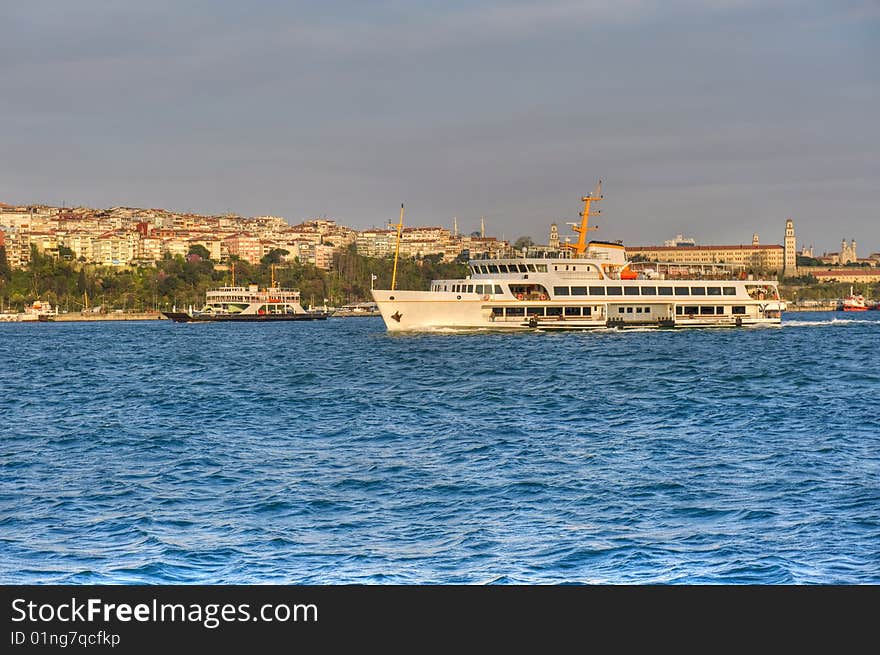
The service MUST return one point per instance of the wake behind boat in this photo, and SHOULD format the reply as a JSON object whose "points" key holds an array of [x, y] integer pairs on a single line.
{"points": [[583, 286]]}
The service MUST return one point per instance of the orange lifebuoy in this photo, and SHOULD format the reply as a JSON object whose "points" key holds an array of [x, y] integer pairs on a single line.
{"points": [[543, 296], [519, 296], [485, 296]]}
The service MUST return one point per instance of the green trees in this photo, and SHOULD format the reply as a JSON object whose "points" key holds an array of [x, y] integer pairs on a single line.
{"points": [[523, 242], [274, 256], [183, 281], [200, 250], [4, 264]]}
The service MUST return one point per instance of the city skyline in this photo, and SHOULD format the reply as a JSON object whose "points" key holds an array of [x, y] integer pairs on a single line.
{"points": [[712, 121]]}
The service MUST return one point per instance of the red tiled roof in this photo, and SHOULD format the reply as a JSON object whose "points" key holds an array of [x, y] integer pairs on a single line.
{"points": [[848, 271]]}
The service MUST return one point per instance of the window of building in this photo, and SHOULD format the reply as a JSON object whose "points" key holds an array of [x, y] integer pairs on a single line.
{"points": [[631, 291], [629, 310], [553, 311], [614, 291], [698, 291], [682, 291], [516, 311], [649, 291], [470, 288], [531, 268], [498, 311], [647, 310], [493, 268], [498, 289], [560, 291], [664, 291], [729, 291], [679, 310], [739, 309], [638, 310], [621, 310], [535, 311], [597, 291], [713, 291], [707, 310], [572, 311], [719, 310], [579, 291], [541, 268], [691, 309]]}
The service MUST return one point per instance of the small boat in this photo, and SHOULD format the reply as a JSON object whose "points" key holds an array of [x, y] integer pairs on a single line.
{"points": [[357, 309], [854, 303], [38, 311]]}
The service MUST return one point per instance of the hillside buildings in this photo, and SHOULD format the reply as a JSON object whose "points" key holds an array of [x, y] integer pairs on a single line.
{"points": [[126, 236]]}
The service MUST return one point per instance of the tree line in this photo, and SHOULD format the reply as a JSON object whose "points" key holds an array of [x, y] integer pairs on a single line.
{"points": [[182, 281]]}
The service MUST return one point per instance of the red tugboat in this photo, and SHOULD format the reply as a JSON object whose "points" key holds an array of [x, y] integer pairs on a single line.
{"points": [[854, 303]]}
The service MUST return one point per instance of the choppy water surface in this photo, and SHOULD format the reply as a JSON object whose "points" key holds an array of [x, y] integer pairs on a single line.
{"points": [[333, 452]]}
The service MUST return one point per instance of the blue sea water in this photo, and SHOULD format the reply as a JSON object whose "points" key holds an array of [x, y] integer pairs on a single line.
{"points": [[333, 452]]}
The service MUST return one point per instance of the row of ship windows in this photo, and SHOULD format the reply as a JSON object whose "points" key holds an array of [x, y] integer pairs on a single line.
{"points": [[707, 310], [542, 311], [601, 291], [471, 288], [704, 310], [701, 310], [510, 268], [644, 291]]}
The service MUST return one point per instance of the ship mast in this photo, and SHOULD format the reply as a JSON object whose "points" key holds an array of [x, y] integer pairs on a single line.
{"points": [[397, 249], [580, 247]]}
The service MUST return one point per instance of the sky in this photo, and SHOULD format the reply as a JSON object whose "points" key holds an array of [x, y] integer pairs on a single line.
{"points": [[714, 119]]}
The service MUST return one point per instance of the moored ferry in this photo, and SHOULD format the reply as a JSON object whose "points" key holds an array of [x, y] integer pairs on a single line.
{"points": [[249, 304], [586, 285]]}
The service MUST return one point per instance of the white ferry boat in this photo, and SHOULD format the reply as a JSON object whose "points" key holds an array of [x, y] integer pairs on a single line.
{"points": [[250, 303], [583, 286]]}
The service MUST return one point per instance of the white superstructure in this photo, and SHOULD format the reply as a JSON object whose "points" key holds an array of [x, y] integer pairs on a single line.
{"points": [[589, 285], [251, 301]]}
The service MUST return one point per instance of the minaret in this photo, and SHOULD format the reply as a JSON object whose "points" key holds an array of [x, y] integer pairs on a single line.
{"points": [[455, 226], [554, 237], [855, 257], [483, 226], [789, 266]]}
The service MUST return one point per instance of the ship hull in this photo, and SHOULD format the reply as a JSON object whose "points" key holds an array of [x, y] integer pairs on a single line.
{"points": [[183, 317], [414, 311]]}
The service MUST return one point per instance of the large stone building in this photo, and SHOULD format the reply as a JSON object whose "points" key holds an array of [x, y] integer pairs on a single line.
{"points": [[755, 256], [852, 275], [847, 255]]}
